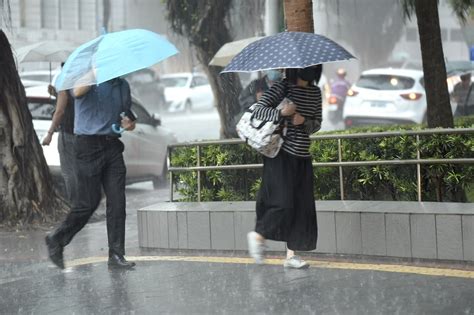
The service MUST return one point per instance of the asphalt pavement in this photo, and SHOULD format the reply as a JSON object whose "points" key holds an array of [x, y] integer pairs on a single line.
{"points": [[197, 282]]}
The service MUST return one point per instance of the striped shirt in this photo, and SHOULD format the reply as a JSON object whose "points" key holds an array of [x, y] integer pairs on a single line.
{"points": [[308, 104]]}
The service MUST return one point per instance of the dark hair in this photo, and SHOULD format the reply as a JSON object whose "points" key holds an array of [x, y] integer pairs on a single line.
{"points": [[318, 69], [292, 74]]}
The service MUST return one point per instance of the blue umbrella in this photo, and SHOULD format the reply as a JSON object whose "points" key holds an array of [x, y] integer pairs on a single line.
{"points": [[287, 50], [112, 55]]}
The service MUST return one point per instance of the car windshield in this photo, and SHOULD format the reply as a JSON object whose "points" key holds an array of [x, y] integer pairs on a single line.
{"points": [[41, 109], [36, 77], [385, 82], [174, 82], [141, 77]]}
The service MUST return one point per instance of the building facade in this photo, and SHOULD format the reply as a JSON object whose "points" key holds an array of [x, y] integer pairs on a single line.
{"points": [[78, 21]]}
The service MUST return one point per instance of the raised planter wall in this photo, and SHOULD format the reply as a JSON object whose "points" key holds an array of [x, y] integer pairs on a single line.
{"points": [[428, 230]]}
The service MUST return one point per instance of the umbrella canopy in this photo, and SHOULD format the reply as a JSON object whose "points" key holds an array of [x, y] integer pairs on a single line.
{"points": [[228, 51], [112, 55], [287, 50], [45, 51]]}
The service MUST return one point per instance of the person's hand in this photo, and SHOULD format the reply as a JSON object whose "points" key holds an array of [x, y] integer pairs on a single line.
{"points": [[127, 123], [288, 108], [52, 90], [297, 119], [47, 139]]}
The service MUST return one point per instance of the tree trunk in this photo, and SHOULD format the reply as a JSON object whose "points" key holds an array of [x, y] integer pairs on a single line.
{"points": [[207, 32], [299, 15], [27, 193], [439, 112], [226, 88]]}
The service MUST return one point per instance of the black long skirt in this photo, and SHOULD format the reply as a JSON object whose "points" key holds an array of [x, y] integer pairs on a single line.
{"points": [[285, 203]]}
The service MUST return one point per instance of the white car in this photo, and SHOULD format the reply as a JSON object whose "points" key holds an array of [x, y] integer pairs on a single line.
{"points": [[386, 96], [145, 152], [187, 92]]}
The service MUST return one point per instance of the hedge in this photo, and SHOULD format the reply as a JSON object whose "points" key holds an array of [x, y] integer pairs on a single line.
{"points": [[446, 182]]}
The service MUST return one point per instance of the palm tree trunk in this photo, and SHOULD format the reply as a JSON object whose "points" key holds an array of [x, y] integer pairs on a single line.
{"points": [[27, 193], [299, 15], [439, 112]]}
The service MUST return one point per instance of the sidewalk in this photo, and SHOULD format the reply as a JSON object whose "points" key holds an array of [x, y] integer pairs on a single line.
{"points": [[179, 284]]}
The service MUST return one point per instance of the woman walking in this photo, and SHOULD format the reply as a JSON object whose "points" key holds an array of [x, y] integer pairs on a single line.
{"points": [[285, 203]]}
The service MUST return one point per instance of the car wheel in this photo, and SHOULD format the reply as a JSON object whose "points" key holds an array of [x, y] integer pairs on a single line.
{"points": [[188, 106], [161, 181]]}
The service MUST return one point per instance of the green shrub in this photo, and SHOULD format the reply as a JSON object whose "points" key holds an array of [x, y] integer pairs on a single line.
{"points": [[439, 182]]}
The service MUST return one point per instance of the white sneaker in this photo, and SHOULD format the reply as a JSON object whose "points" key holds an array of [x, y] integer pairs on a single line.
{"points": [[295, 262], [255, 247]]}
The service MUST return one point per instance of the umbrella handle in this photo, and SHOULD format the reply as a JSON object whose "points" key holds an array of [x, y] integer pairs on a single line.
{"points": [[117, 129]]}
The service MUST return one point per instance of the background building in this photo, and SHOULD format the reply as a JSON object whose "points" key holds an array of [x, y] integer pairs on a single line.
{"points": [[79, 21]]}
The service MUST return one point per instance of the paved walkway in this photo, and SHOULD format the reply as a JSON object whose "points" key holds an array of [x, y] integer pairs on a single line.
{"points": [[170, 282]]}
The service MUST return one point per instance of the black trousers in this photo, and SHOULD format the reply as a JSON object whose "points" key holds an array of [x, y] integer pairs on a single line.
{"points": [[98, 164], [285, 204]]}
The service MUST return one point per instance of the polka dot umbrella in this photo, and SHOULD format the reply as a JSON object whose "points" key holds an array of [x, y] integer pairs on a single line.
{"points": [[287, 50]]}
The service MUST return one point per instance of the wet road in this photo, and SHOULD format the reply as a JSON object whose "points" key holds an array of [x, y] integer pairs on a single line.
{"points": [[193, 283], [205, 125], [187, 287]]}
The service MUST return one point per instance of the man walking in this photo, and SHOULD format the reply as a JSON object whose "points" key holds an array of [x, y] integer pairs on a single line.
{"points": [[99, 164]]}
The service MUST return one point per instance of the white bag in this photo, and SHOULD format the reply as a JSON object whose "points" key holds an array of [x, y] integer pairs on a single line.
{"points": [[264, 136]]}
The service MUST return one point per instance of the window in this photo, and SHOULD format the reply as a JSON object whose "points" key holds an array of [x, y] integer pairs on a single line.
{"points": [[87, 14], [385, 82], [68, 15], [199, 81], [174, 81], [49, 14]]}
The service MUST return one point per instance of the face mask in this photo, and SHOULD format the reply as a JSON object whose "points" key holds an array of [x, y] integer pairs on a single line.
{"points": [[274, 75], [307, 74]]}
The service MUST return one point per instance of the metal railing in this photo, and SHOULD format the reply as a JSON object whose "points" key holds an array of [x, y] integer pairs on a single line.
{"points": [[340, 163]]}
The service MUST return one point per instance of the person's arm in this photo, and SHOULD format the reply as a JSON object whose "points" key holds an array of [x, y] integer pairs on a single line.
{"points": [[80, 91], [454, 93], [127, 123], [313, 123], [266, 106], [57, 117], [84, 84]]}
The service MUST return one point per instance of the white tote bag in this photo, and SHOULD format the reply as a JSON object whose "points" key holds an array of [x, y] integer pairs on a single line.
{"points": [[264, 136]]}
